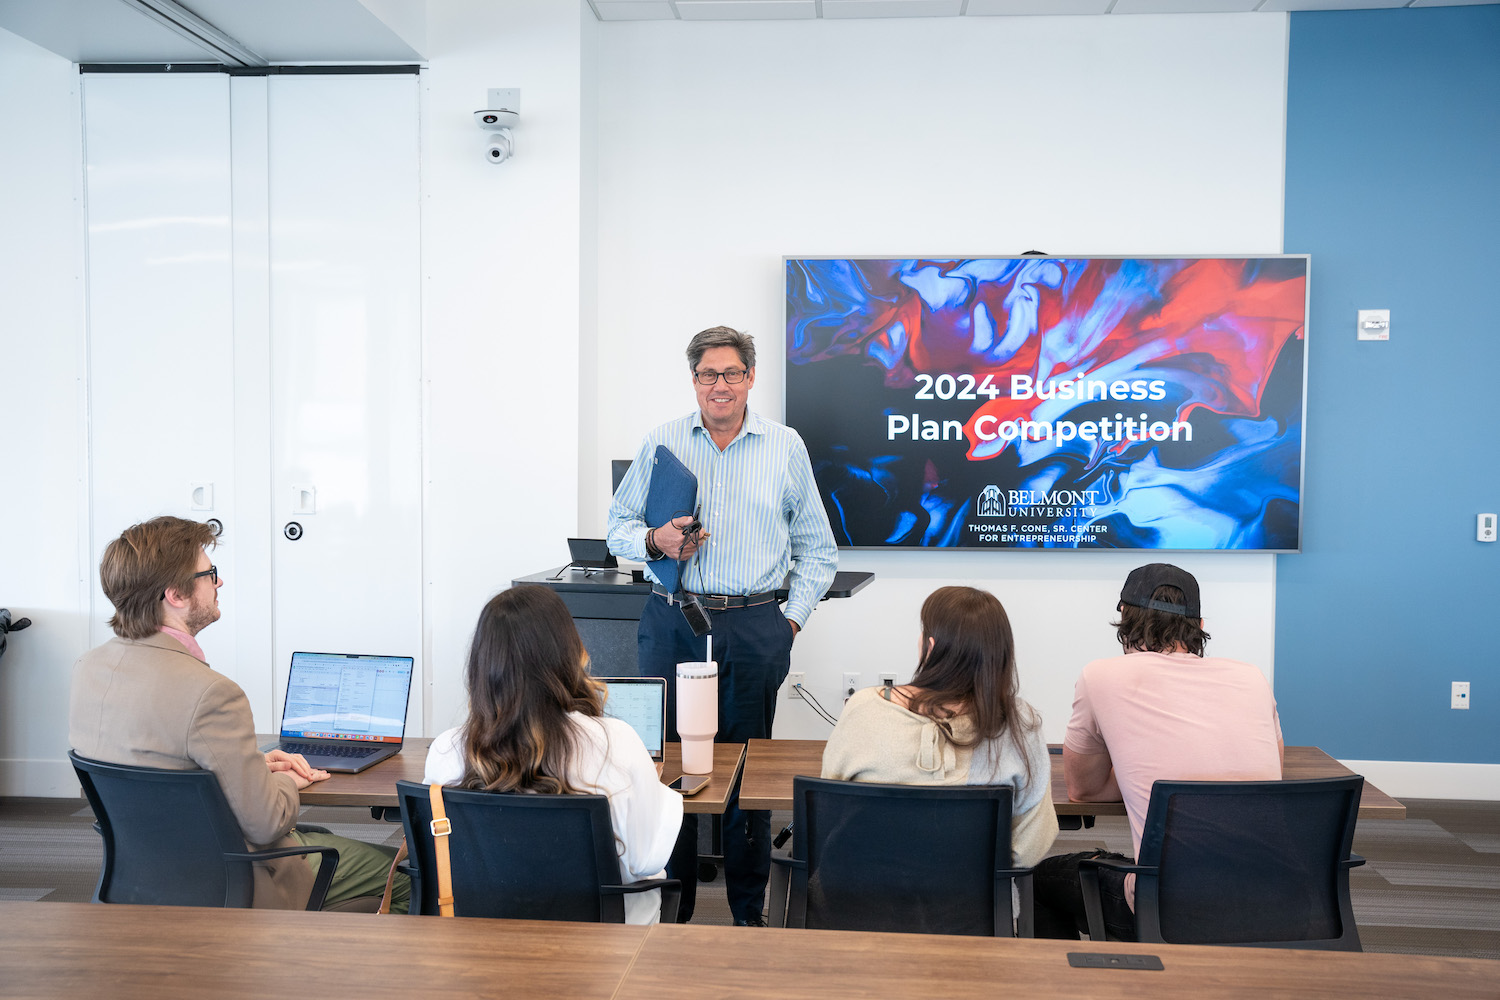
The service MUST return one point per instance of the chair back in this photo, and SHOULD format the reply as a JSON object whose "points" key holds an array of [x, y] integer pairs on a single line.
{"points": [[933, 860], [517, 855], [1250, 862], [165, 836]]}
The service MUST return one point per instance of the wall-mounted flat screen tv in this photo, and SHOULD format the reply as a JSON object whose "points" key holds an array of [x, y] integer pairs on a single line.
{"points": [[1052, 402]]}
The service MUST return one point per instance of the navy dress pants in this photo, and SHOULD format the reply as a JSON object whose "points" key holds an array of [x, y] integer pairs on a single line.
{"points": [[753, 647]]}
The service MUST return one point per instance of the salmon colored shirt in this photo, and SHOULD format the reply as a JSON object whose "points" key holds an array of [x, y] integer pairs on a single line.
{"points": [[1175, 716]]}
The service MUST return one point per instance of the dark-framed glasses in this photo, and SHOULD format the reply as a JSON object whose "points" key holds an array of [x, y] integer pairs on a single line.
{"points": [[212, 573], [734, 376]]}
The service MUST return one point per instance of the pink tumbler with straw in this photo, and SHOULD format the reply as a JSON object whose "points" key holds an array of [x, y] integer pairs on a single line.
{"points": [[697, 714]]}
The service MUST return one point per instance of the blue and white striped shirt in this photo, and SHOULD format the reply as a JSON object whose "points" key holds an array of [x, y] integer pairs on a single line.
{"points": [[758, 503]]}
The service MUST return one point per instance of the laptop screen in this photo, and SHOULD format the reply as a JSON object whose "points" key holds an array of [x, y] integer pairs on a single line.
{"points": [[641, 702], [347, 696]]}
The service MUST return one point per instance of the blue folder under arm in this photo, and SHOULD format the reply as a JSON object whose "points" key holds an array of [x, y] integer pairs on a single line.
{"points": [[673, 493]]}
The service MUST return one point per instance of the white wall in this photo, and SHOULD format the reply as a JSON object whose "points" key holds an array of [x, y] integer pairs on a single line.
{"points": [[501, 265], [724, 146], [44, 572], [721, 147]]}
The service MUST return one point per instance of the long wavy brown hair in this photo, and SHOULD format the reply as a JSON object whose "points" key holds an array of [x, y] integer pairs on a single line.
{"points": [[971, 664], [527, 670]]}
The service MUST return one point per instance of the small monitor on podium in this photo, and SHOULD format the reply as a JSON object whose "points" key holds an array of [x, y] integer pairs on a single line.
{"points": [[617, 469], [590, 553]]}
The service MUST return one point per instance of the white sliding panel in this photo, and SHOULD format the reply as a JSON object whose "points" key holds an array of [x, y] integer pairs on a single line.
{"points": [[253, 528], [161, 351], [346, 369]]}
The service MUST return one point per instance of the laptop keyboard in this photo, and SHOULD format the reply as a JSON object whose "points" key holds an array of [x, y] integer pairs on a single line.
{"points": [[324, 750]]}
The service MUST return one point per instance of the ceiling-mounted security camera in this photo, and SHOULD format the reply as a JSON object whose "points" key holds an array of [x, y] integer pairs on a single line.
{"points": [[497, 120]]}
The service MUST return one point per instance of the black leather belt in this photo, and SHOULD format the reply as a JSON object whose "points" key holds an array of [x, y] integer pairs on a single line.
{"points": [[719, 602]]}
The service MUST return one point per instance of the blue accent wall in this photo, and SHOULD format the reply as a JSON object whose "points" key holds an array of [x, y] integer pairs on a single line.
{"points": [[1393, 186]]}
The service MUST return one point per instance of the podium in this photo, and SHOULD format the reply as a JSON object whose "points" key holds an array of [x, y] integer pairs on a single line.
{"points": [[606, 607]]}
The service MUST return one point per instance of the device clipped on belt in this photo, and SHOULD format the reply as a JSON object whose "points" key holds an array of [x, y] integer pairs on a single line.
{"points": [[696, 615]]}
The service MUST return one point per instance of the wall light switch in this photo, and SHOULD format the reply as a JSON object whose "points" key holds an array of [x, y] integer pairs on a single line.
{"points": [[1460, 695], [1374, 324], [1486, 527]]}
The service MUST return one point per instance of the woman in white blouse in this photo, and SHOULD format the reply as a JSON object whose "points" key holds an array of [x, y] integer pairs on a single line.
{"points": [[536, 724]]}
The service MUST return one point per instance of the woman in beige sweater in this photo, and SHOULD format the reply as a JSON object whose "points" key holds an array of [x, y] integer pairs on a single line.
{"points": [[960, 721]]}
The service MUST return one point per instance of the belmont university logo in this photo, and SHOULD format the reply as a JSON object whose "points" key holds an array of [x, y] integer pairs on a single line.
{"points": [[992, 502]]}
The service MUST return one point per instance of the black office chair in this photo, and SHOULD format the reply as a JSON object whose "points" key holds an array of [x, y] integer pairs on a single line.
{"points": [[170, 839], [531, 857], [919, 858], [1258, 863]]}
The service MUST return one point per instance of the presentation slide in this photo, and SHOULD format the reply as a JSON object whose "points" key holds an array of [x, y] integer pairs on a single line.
{"points": [[1052, 402]]}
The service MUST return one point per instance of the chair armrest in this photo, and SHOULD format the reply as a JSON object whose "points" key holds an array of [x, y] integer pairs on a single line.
{"points": [[1088, 883], [1352, 861], [778, 886], [1025, 925], [326, 866], [1119, 866], [644, 885], [785, 860], [671, 894], [411, 871]]}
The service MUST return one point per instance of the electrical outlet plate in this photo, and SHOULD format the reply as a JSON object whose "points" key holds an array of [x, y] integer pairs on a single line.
{"points": [[886, 679], [1460, 695], [850, 685], [792, 680]]}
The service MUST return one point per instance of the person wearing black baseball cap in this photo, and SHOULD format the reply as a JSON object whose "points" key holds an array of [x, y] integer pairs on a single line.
{"points": [[1160, 710]]}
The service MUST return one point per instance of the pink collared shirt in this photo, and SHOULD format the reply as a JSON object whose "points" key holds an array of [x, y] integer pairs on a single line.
{"points": [[188, 642]]}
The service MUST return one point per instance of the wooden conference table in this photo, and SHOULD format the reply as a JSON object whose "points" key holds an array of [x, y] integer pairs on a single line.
{"points": [[377, 786], [166, 953], [770, 766]]}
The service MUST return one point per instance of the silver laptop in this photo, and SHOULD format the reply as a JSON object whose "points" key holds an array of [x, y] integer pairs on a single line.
{"points": [[345, 711], [641, 702]]}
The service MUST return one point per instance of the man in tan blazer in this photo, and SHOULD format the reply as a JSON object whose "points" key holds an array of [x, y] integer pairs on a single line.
{"points": [[148, 698]]}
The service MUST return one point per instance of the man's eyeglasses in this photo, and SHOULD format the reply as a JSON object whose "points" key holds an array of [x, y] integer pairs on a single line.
{"points": [[212, 572], [734, 376]]}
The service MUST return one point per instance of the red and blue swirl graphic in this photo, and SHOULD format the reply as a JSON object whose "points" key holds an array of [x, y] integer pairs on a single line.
{"points": [[1043, 402]]}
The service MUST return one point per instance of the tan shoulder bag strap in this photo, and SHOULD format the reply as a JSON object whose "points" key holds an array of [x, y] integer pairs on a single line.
{"points": [[390, 879], [441, 828]]}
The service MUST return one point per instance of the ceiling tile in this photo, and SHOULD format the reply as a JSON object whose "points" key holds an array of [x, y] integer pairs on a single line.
{"points": [[1278, 6], [746, 10], [892, 8], [1183, 6], [634, 10], [104, 31], [989, 7], [292, 31]]}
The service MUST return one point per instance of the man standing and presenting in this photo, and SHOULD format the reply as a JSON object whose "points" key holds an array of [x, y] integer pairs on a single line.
{"points": [[1162, 710], [149, 699], [762, 517]]}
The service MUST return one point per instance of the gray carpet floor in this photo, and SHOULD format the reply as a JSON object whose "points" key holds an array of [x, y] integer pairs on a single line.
{"points": [[1431, 887]]}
